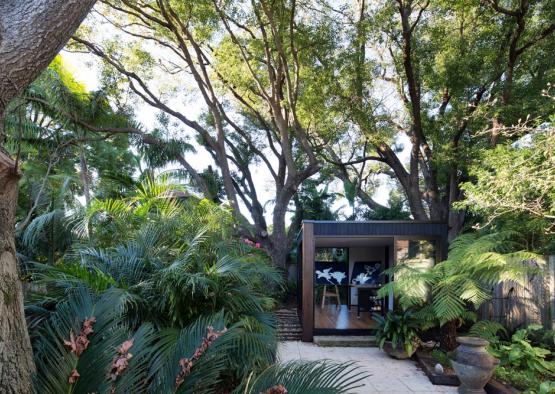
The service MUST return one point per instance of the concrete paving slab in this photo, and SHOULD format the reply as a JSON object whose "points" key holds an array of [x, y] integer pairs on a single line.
{"points": [[386, 375]]}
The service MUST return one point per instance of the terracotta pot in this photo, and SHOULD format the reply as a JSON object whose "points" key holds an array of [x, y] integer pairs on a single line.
{"points": [[398, 352], [473, 364]]}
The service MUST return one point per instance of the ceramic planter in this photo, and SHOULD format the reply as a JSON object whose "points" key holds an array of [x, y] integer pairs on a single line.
{"points": [[397, 352], [473, 365]]}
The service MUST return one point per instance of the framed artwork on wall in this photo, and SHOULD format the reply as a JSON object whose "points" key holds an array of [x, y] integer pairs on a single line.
{"points": [[366, 273], [330, 273]]}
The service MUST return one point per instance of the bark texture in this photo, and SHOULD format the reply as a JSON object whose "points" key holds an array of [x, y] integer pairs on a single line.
{"points": [[16, 362], [31, 34], [448, 339]]}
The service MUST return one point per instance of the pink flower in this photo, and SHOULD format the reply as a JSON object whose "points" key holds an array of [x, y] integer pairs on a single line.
{"points": [[80, 343], [186, 364], [125, 346], [257, 245], [121, 361], [74, 376], [277, 389]]}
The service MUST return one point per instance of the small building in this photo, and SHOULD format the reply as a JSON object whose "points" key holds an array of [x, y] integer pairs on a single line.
{"points": [[340, 268]]}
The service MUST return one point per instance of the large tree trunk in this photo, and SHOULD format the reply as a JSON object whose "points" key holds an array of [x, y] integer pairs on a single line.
{"points": [[16, 358], [279, 239], [32, 32]]}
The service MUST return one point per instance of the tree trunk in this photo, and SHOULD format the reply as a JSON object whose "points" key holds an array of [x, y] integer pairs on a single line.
{"points": [[32, 32], [85, 176], [16, 357], [279, 239], [448, 339]]}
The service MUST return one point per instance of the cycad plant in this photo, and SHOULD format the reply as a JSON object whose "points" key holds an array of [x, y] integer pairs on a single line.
{"points": [[313, 377], [161, 297], [450, 292], [84, 347]]}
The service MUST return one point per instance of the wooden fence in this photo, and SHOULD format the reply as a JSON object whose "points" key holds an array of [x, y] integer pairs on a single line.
{"points": [[515, 306]]}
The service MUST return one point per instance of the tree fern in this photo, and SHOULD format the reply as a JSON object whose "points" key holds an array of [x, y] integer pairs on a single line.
{"points": [[452, 289]]}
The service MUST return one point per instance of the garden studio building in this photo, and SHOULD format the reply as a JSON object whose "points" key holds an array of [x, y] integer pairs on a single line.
{"points": [[340, 266]]}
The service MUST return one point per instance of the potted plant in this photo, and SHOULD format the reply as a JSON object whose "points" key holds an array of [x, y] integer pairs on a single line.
{"points": [[397, 334]]}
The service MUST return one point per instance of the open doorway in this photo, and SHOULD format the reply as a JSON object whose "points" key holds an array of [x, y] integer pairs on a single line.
{"points": [[347, 277]]}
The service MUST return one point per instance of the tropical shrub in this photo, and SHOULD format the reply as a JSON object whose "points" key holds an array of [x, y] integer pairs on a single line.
{"points": [[85, 347], [398, 328], [449, 293], [491, 331], [160, 296], [523, 365], [540, 337], [442, 358], [312, 377], [520, 354]]}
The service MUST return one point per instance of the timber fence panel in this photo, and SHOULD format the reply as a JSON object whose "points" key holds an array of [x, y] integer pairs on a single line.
{"points": [[515, 305]]}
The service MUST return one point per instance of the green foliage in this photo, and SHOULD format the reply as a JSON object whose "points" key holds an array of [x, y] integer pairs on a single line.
{"points": [[398, 328], [488, 330], [520, 354], [513, 185], [63, 160], [452, 289], [159, 269], [312, 203], [441, 357], [523, 364], [541, 337], [396, 210], [524, 380], [312, 377]]}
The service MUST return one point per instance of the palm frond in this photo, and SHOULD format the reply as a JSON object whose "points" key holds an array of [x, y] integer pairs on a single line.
{"points": [[313, 377]]}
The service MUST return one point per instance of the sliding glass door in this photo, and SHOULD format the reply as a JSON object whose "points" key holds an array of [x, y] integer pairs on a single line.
{"points": [[413, 256]]}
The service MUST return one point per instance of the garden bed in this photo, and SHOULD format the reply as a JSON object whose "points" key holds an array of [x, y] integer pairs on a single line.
{"points": [[427, 363], [496, 387], [449, 378]]}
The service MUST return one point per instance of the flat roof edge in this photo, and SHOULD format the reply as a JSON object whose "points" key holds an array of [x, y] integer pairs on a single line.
{"points": [[375, 221]]}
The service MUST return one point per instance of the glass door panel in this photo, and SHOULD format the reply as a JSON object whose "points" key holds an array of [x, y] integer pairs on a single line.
{"points": [[414, 256]]}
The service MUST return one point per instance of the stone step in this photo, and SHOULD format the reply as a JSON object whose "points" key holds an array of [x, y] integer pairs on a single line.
{"points": [[288, 325], [284, 316], [345, 341]]}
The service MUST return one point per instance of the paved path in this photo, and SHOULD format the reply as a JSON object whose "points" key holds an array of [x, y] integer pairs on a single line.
{"points": [[387, 375]]}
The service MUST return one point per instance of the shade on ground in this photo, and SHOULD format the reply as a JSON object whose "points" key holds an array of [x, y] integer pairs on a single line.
{"points": [[387, 375]]}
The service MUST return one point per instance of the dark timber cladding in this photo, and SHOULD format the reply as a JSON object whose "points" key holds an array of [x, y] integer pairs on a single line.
{"points": [[312, 230], [378, 228]]}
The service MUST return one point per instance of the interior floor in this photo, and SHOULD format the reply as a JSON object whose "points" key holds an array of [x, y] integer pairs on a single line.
{"points": [[341, 318]]}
